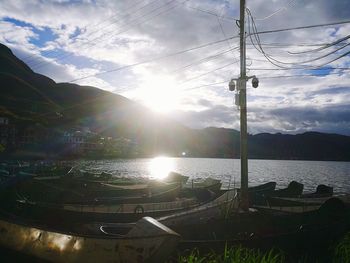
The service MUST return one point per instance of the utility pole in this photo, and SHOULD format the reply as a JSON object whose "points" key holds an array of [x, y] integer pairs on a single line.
{"points": [[241, 101], [243, 111]]}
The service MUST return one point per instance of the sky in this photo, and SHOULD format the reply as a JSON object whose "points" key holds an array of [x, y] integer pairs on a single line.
{"points": [[172, 56]]}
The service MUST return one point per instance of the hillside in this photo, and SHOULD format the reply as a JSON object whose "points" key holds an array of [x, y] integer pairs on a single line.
{"points": [[27, 98]]}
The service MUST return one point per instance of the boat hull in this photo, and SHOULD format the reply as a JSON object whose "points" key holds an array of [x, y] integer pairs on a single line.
{"points": [[139, 245]]}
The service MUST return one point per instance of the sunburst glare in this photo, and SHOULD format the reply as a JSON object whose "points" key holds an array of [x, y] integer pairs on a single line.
{"points": [[160, 93], [160, 167]]}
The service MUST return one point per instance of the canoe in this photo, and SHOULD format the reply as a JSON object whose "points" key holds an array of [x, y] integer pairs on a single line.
{"points": [[208, 183], [107, 211], [121, 213], [146, 241], [263, 188], [306, 201], [57, 192], [321, 191], [257, 194], [266, 229], [220, 207], [176, 177], [301, 204], [294, 189]]}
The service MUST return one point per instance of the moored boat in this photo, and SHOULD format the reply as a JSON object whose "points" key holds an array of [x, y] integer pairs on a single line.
{"points": [[262, 198], [208, 183], [122, 212], [146, 241], [302, 204], [258, 193], [269, 228], [63, 191], [220, 207]]}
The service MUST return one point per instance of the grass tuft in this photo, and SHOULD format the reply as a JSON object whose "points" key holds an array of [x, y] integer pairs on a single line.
{"points": [[234, 255], [342, 250]]}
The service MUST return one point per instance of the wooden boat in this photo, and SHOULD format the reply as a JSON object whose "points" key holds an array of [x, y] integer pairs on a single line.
{"points": [[208, 183], [108, 211], [83, 213], [263, 188], [294, 189], [266, 229], [257, 193], [176, 177], [321, 191], [146, 241], [103, 176], [106, 178], [305, 202], [220, 207], [54, 192], [302, 204]]}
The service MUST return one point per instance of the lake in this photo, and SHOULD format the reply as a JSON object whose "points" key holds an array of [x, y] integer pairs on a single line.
{"points": [[310, 173]]}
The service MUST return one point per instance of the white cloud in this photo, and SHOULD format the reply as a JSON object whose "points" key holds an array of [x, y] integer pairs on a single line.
{"points": [[112, 34]]}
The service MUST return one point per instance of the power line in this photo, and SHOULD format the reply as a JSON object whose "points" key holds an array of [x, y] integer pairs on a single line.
{"points": [[285, 45], [321, 69], [300, 75], [266, 77], [276, 62], [323, 47], [96, 26], [303, 27], [206, 85], [211, 13], [94, 41], [206, 73], [154, 59], [284, 8], [224, 34], [206, 59]]}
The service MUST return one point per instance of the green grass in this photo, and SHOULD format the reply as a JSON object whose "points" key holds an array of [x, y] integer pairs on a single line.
{"points": [[234, 255], [339, 253], [342, 250]]}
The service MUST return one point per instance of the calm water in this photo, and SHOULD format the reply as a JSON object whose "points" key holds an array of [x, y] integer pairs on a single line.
{"points": [[310, 173]]}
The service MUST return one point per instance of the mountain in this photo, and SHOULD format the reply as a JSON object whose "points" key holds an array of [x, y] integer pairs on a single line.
{"points": [[28, 98]]}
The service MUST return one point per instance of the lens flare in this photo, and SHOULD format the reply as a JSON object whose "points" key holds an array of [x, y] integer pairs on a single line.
{"points": [[160, 167]]}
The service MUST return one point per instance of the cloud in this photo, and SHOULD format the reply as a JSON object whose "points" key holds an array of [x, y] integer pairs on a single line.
{"points": [[88, 37]]}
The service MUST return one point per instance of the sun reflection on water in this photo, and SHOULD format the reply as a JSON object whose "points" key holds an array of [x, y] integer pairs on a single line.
{"points": [[160, 167]]}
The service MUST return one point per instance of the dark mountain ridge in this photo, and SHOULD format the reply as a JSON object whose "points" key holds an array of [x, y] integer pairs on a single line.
{"points": [[28, 98]]}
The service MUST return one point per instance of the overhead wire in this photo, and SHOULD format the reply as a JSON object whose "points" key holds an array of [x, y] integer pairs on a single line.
{"points": [[303, 27], [96, 26], [98, 39], [154, 59], [299, 75], [301, 68], [180, 52], [284, 8], [264, 77], [323, 47], [207, 73], [276, 62], [206, 59], [211, 13]]}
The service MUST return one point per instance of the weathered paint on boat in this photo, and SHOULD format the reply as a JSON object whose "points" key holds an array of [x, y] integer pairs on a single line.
{"points": [[220, 207], [100, 213], [208, 183], [147, 241], [289, 209], [133, 208]]}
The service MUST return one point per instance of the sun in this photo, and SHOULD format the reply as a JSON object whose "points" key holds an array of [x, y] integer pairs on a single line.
{"points": [[160, 94], [160, 167]]}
